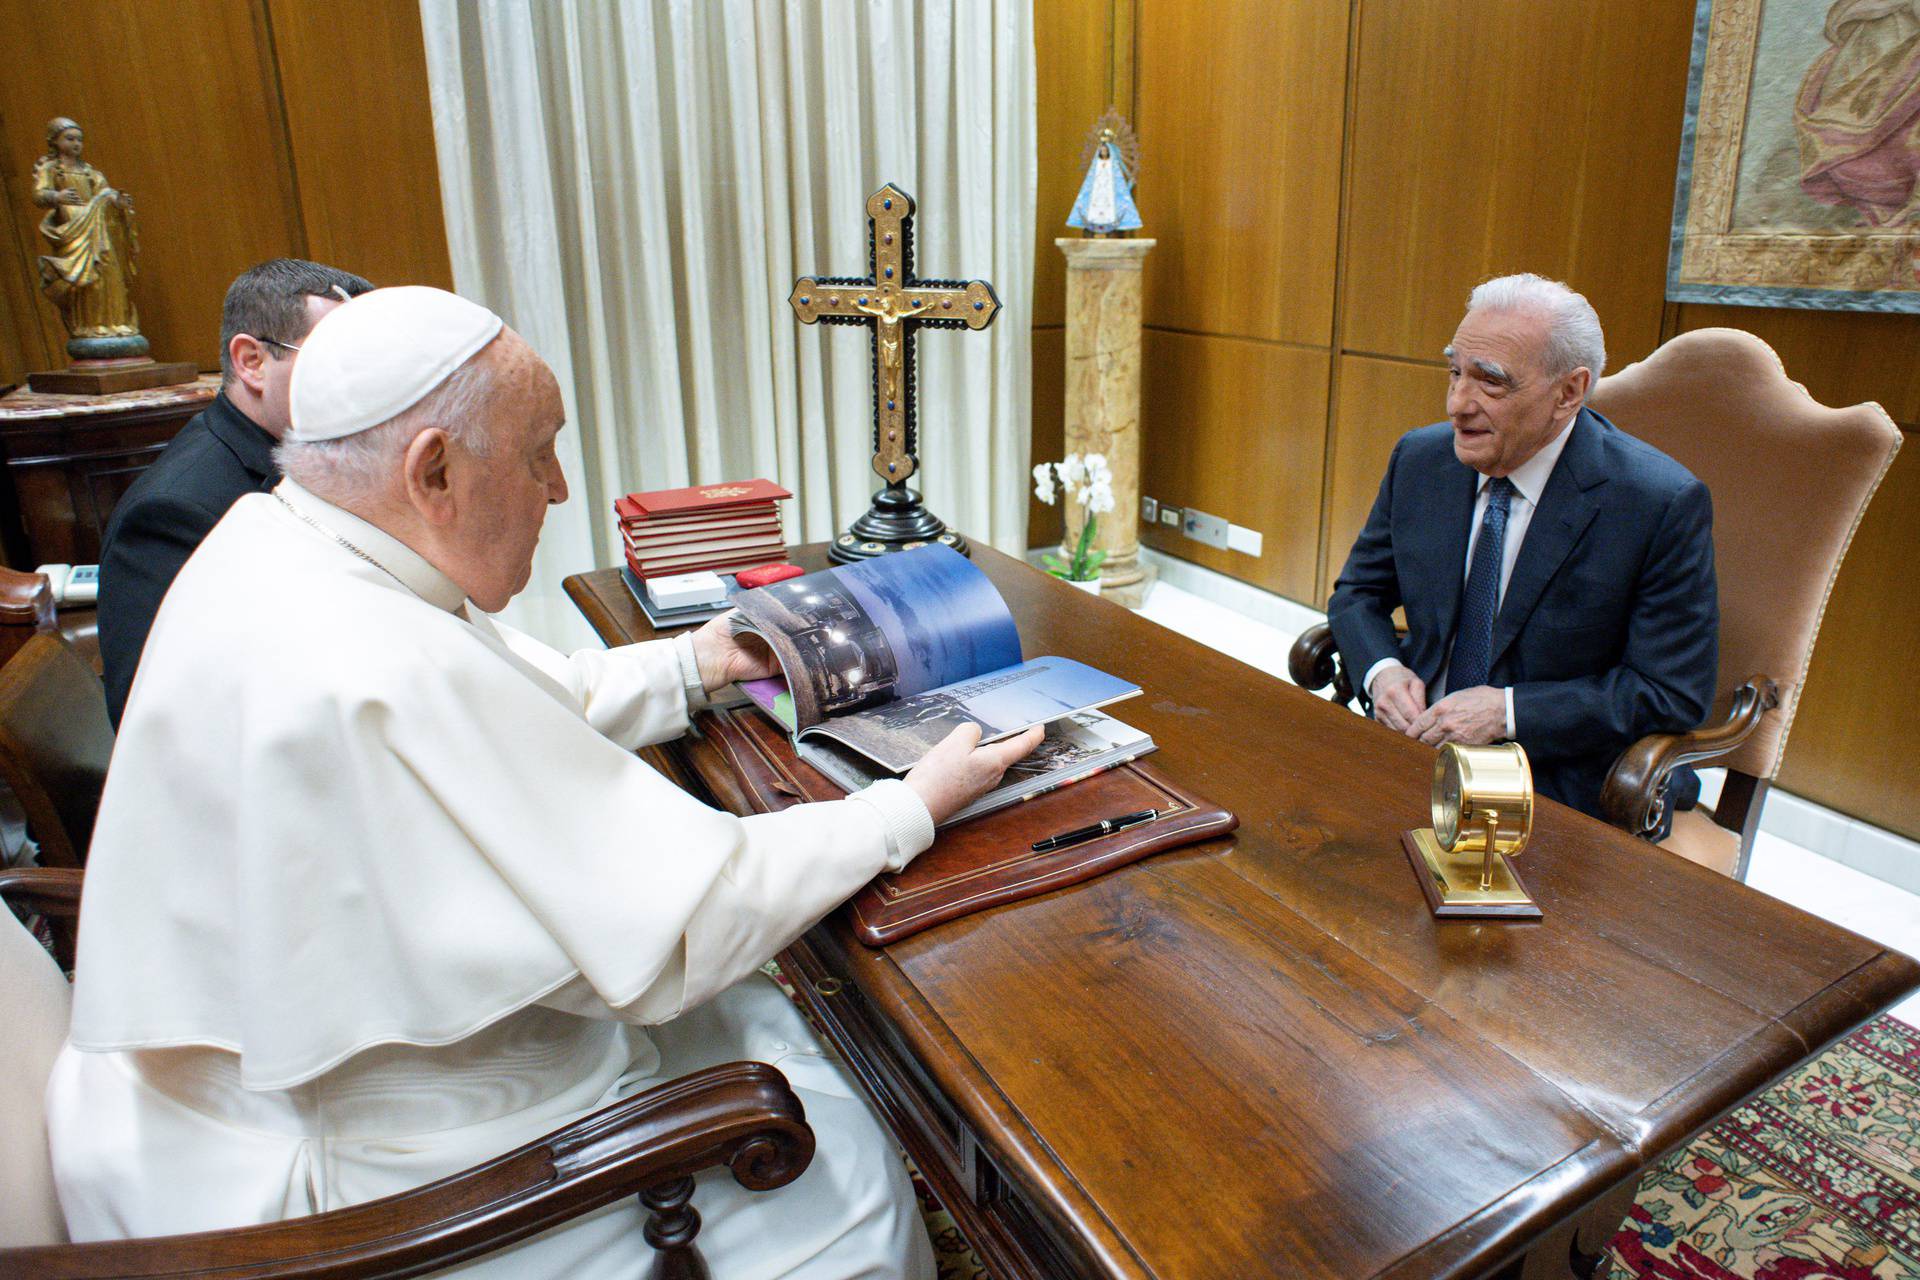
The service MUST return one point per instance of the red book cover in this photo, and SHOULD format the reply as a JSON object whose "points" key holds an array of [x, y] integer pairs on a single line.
{"points": [[698, 546], [718, 565], [646, 534], [751, 511], [708, 497], [764, 553]]}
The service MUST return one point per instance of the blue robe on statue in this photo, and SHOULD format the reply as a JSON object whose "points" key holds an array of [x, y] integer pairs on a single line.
{"points": [[1090, 211]]}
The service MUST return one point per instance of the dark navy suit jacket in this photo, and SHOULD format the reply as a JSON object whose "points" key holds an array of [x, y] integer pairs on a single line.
{"points": [[1610, 626], [175, 503]]}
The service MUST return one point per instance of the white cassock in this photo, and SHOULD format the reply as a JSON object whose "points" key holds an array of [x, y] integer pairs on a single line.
{"points": [[378, 892]]}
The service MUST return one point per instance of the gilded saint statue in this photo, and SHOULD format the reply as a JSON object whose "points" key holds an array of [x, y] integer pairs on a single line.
{"points": [[88, 273]]}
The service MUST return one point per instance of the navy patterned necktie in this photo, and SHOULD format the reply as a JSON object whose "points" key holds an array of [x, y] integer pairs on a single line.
{"points": [[1473, 641]]}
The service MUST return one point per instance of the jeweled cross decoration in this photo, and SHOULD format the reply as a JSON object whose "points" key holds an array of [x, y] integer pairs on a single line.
{"points": [[892, 304]]}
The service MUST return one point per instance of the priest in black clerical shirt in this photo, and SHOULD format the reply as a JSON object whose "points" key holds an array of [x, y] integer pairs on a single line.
{"points": [[226, 451]]}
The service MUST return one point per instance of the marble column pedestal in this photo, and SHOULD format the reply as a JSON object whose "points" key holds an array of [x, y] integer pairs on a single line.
{"points": [[1103, 398]]}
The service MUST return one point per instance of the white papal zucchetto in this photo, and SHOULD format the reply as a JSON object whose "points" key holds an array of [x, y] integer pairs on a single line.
{"points": [[371, 358]]}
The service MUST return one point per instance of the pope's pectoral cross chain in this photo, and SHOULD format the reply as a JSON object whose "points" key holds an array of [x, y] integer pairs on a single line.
{"points": [[893, 304]]}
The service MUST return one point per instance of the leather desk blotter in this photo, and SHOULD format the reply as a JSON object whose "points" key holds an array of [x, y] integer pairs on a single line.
{"points": [[989, 860]]}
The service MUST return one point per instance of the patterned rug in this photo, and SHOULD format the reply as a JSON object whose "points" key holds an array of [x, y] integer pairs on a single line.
{"points": [[1816, 1179]]}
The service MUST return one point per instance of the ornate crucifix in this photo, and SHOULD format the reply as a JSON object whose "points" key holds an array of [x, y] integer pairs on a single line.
{"points": [[892, 304]]}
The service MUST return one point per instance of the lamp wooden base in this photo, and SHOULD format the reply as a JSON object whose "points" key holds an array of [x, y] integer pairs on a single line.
{"points": [[105, 377], [1451, 882]]}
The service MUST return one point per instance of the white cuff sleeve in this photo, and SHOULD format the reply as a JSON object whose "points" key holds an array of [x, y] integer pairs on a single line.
{"points": [[909, 825], [690, 681], [1374, 670], [1512, 733]]}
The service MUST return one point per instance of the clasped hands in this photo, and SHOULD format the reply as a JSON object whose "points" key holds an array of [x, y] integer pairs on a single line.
{"points": [[953, 775], [1472, 717]]}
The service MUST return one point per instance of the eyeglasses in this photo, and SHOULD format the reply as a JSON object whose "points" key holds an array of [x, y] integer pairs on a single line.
{"points": [[275, 342]]}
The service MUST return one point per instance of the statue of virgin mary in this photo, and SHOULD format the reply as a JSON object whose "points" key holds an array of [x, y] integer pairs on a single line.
{"points": [[1105, 202]]}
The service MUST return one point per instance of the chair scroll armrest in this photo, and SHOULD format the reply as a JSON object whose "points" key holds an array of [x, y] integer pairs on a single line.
{"points": [[1314, 663], [742, 1115], [1634, 797]]}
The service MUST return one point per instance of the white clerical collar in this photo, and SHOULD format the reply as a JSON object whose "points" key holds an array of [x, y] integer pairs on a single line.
{"points": [[1530, 478], [411, 569]]}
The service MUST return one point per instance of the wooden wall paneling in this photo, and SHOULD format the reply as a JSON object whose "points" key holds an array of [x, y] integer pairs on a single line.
{"points": [[180, 108], [360, 128], [1380, 401], [1046, 525], [1076, 45], [23, 340], [1237, 429], [1240, 121], [1506, 135], [1855, 744], [1841, 357]]}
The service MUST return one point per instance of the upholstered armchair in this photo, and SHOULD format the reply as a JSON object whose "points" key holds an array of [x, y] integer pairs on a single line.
{"points": [[742, 1117], [1790, 479]]}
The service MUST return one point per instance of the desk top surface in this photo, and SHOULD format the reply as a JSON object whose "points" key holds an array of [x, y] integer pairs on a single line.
{"points": [[1262, 1055]]}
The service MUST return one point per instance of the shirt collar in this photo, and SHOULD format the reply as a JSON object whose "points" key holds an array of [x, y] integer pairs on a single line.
{"points": [[247, 439], [1529, 479], [413, 570]]}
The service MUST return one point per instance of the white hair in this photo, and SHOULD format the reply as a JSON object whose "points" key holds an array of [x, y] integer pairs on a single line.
{"points": [[1574, 340], [353, 471]]}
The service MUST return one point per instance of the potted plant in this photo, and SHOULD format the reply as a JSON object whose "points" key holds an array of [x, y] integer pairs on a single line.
{"points": [[1089, 482]]}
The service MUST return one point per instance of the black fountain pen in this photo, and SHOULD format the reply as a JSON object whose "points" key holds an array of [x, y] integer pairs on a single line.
{"points": [[1106, 826]]}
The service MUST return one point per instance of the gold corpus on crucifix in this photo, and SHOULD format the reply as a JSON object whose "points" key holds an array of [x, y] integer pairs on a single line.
{"points": [[893, 305]]}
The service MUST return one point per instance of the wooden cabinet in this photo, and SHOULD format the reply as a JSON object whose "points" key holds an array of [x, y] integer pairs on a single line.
{"points": [[68, 460]]}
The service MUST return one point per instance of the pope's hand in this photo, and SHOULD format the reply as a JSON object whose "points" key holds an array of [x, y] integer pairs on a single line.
{"points": [[959, 771], [724, 657], [1399, 697], [1472, 717]]}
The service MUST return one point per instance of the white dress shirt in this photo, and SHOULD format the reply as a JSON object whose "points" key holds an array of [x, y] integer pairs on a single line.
{"points": [[1529, 481]]}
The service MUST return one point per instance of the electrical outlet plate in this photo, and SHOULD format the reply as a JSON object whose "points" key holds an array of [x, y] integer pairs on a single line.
{"points": [[1201, 527]]}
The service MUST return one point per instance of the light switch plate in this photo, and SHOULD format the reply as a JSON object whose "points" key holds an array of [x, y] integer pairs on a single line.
{"points": [[1149, 510], [1201, 527], [1170, 517]]}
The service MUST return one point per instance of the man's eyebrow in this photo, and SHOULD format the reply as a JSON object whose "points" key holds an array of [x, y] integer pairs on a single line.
{"points": [[1492, 370]]}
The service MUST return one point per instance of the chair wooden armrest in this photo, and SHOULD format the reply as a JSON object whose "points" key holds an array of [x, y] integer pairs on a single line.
{"points": [[53, 894], [1634, 797], [1314, 663], [741, 1115], [52, 891]]}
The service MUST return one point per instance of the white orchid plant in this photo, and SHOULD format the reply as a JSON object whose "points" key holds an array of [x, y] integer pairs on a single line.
{"points": [[1089, 481]]}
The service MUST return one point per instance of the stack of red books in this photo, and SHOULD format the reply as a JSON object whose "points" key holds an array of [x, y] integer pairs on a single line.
{"points": [[722, 527]]}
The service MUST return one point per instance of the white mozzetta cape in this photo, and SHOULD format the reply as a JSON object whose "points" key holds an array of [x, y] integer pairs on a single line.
{"points": [[341, 815]]}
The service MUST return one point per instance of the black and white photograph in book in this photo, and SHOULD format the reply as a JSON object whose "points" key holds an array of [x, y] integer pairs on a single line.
{"points": [[848, 658]]}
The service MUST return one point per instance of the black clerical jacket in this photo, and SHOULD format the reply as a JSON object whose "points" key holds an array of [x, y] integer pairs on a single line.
{"points": [[218, 456]]}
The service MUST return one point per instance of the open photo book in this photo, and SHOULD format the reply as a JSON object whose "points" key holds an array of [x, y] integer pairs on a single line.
{"points": [[882, 659]]}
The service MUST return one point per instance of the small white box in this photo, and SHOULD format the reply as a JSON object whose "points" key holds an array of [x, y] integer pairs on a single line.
{"points": [[685, 590]]}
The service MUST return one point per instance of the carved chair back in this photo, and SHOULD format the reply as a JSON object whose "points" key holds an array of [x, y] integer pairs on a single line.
{"points": [[1790, 480], [55, 741]]}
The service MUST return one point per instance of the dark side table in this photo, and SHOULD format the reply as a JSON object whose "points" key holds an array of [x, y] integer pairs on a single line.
{"points": [[68, 460]]}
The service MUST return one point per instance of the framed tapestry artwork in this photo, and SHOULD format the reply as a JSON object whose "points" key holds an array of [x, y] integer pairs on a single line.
{"points": [[1798, 163]]}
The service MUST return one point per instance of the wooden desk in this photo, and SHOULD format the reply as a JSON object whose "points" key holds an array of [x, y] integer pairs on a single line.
{"points": [[1261, 1056]]}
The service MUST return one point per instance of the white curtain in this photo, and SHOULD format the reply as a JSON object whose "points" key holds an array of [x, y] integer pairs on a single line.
{"points": [[635, 186]]}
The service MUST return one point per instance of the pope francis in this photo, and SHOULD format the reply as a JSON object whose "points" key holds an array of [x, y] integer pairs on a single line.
{"points": [[378, 888]]}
